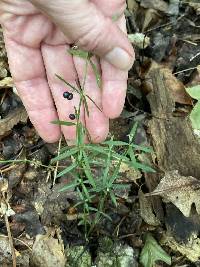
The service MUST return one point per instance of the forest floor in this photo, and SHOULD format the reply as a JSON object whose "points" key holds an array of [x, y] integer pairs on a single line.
{"points": [[157, 218]]}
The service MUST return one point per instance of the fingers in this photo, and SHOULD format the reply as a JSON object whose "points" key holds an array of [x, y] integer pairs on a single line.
{"points": [[114, 85], [112, 8], [58, 61], [28, 72], [97, 123], [82, 21]]}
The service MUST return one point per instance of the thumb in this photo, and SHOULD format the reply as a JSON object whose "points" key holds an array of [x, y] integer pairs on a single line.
{"points": [[89, 29]]}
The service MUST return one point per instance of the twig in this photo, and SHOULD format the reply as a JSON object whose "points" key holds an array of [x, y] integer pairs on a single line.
{"points": [[57, 163], [10, 241], [178, 72]]}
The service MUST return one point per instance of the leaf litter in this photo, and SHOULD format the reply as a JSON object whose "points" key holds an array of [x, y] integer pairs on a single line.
{"points": [[166, 37]]}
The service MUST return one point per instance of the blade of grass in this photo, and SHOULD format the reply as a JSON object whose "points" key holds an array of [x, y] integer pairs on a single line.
{"points": [[97, 74], [68, 84], [64, 123], [88, 171], [113, 198], [79, 53], [69, 186], [94, 103], [68, 169], [65, 155]]}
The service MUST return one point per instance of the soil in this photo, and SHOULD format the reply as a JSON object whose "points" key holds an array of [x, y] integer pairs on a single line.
{"points": [[43, 219]]}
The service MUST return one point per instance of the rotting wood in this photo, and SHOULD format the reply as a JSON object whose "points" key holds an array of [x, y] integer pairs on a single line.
{"points": [[174, 142]]}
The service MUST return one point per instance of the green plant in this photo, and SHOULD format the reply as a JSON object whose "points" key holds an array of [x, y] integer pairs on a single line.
{"points": [[152, 252], [95, 191], [194, 92]]}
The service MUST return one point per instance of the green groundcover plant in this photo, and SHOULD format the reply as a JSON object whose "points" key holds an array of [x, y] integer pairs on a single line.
{"points": [[85, 158]]}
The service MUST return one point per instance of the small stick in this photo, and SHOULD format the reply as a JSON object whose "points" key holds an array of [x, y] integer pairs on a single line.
{"points": [[10, 241], [57, 163]]}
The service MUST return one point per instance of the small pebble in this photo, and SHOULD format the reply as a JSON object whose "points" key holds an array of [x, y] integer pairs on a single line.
{"points": [[72, 117]]}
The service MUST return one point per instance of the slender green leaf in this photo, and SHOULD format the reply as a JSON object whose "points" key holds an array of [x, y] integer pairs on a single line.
{"points": [[86, 192], [97, 74], [68, 169], [68, 84], [121, 186], [113, 198], [108, 165], [121, 143], [65, 123], [68, 187], [86, 106], [64, 148], [102, 213], [79, 53], [80, 134], [142, 167], [115, 143], [133, 132], [94, 103], [65, 155], [142, 148], [104, 151], [132, 155], [115, 174], [80, 195], [96, 148], [87, 170]]}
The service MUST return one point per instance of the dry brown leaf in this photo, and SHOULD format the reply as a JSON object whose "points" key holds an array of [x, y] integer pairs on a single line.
{"points": [[146, 210], [47, 252], [180, 190], [13, 118], [130, 174], [159, 5], [177, 88], [6, 83], [191, 249]]}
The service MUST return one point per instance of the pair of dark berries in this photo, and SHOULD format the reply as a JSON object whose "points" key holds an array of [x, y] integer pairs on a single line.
{"points": [[69, 96]]}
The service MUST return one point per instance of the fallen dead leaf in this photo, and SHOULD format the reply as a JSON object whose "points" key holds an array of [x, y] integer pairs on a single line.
{"points": [[191, 249], [13, 118], [177, 88], [146, 210], [180, 190], [139, 40], [47, 252], [159, 5], [6, 83], [131, 174]]}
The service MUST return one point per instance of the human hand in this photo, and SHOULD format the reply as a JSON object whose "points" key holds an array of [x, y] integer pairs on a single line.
{"points": [[37, 49]]}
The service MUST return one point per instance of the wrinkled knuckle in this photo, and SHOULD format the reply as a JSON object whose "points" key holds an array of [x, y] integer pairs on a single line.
{"points": [[94, 38]]}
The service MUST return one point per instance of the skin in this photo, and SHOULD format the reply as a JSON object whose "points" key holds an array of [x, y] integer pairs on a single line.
{"points": [[37, 36]]}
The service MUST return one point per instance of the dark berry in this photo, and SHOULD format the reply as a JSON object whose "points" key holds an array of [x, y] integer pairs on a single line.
{"points": [[72, 117], [70, 97], [66, 94]]}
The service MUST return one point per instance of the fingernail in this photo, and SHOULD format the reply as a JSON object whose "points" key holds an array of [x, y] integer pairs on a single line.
{"points": [[119, 58], [71, 142]]}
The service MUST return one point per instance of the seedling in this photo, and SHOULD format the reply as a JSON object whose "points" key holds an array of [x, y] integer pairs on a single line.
{"points": [[95, 191]]}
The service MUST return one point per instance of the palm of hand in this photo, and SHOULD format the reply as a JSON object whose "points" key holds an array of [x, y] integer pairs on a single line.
{"points": [[37, 50]]}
